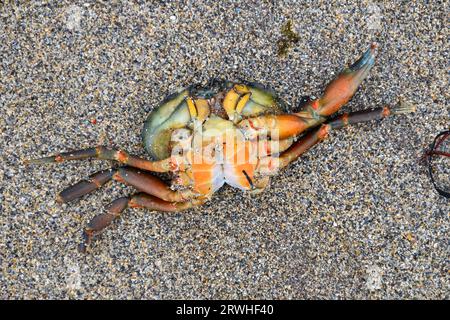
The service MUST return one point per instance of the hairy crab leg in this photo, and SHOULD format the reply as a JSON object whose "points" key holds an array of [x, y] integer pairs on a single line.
{"points": [[337, 93], [115, 208], [142, 181], [314, 137], [121, 156]]}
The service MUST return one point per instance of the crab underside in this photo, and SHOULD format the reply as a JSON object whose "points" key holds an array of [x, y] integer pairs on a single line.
{"points": [[238, 134]]}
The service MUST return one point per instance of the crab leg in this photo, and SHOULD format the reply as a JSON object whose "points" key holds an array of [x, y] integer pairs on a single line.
{"points": [[83, 187], [264, 147], [310, 139], [277, 126], [152, 185], [142, 181], [302, 145], [270, 165], [369, 115], [337, 93], [104, 153], [115, 208]]}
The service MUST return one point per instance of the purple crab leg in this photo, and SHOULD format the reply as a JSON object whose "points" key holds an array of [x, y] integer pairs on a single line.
{"points": [[83, 187], [314, 137], [139, 200], [369, 115], [104, 153], [141, 180]]}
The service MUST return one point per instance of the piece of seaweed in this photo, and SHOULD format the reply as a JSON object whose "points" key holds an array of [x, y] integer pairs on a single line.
{"points": [[288, 38]]}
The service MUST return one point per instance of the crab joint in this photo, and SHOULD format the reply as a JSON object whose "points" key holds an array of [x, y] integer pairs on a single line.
{"points": [[323, 131], [122, 156]]}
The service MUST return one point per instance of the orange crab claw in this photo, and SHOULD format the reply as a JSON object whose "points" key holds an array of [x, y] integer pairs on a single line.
{"points": [[340, 90]]}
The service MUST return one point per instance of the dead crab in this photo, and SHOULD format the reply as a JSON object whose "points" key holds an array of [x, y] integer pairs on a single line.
{"points": [[233, 133]]}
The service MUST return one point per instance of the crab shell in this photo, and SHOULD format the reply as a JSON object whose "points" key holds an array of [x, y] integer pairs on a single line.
{"points": [[203, 128]]}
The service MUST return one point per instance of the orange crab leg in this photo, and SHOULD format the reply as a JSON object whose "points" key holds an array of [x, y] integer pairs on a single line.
{"points": [[139, 200], [270, 165], [337, 93], [314, 137], [265, 147], [103, 153], [304, 144], [278, 126]]}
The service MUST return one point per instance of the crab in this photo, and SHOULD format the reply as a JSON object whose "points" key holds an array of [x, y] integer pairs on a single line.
{"points": [[235, 133]]}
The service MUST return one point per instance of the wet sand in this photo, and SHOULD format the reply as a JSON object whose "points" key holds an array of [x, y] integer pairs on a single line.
{"points": [[354, 218]]}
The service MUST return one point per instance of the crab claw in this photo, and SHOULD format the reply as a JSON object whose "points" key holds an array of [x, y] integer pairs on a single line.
{"points": [[366, 61], [340, 90]]}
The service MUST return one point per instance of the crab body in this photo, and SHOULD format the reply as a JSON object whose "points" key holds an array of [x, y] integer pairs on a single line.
{"points": [[238, 134], [202, 130]]}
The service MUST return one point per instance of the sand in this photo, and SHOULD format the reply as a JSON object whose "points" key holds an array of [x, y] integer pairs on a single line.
{"points": [[355, 218]]}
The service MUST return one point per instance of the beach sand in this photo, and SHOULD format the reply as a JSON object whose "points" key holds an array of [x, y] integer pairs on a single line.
{"points": [[354, 218]]}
